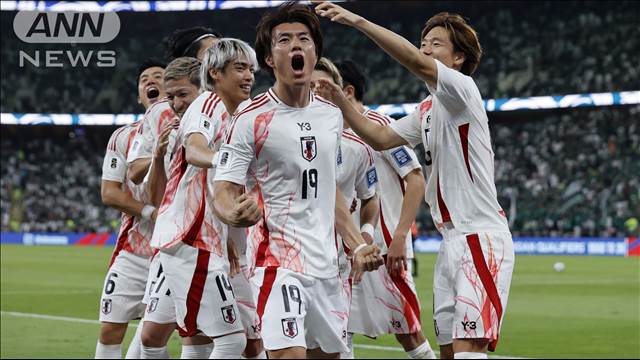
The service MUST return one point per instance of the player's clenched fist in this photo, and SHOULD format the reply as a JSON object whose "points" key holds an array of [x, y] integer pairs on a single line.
{"points": [[365, 258], [246, 211]]}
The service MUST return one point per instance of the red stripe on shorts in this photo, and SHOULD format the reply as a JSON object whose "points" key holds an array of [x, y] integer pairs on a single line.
{"points": [[194, 296], [487, 281], [269, 278], [402, 284]]}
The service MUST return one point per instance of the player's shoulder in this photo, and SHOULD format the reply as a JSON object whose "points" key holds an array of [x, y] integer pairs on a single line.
{"points": [[121, 133], [158, 107], [324, 104], [351, 138], [259, 104]]}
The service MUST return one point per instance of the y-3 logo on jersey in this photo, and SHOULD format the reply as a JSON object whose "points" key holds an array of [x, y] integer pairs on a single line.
{"points": [[304, 126]]}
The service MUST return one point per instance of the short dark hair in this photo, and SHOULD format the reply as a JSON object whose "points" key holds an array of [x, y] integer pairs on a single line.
{"points": [[289, 12], [149, 63], [463, 37], [351, 75], [184, 42]]}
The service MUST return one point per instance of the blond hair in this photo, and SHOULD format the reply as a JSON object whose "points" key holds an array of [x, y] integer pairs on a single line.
{"points": [[327, 66]]}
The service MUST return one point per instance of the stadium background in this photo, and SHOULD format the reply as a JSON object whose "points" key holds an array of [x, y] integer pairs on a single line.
{"points": [[567, 167]]}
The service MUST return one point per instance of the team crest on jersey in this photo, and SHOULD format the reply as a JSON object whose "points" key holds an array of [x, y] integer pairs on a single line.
{"points": [[106, 306], [401, 157], [290, 327], [308, 147], [153, 305], [228, 314], [114, 163], [372, 177]]}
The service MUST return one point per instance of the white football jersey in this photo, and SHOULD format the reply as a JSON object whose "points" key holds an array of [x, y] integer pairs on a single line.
{"points": [[152, 124], [186, 213], [392, 166], [453, 126], [292, 152], [135, 233], [357, 179]]}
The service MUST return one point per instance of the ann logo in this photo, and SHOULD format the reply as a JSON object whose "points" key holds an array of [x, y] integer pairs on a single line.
{"points": [[66, 27]]}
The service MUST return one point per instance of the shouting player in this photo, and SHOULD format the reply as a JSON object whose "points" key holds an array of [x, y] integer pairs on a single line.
{"points": [[288, 140], [476, 258]]}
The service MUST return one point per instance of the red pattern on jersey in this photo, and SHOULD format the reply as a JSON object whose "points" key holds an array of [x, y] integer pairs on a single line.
{"points": [[261, 130], [258, 102], [127, 224], [425, 106], [178, 168], [444, 212], [463, 130]]}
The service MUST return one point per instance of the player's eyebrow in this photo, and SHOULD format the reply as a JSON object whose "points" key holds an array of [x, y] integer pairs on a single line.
{"points": [[299, 33]]}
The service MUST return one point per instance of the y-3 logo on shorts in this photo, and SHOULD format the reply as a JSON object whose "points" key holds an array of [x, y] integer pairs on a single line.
{"points": [[470, 324], [289, 327], [396, 324]]}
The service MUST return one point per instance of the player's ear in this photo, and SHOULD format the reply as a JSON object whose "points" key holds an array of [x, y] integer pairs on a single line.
{"points": [[458, 59], [269, 60], [349, 91], [215, 74]]}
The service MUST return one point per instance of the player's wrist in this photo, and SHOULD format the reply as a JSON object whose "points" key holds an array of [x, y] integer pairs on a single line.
{"points": [[214, 160], [358, 248], [147, 212], [367, 229]]}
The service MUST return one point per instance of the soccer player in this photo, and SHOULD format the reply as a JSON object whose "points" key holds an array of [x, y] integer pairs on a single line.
{"points": [[129, 265], [392, 308], [193, 250], [475, 263], [191, 42], [357, 180], [288, 141], [182, 85]]}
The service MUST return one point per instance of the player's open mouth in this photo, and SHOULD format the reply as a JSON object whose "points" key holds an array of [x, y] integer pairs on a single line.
{"points": [[297, 64], [153, 93]]}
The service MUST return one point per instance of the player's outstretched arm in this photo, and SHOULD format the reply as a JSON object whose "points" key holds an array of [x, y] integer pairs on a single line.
{"points": [[113, 196], [397, 256], [365, 257], [377, 136], [369, 214], [233, 206], [421, 65], [138, 169]]}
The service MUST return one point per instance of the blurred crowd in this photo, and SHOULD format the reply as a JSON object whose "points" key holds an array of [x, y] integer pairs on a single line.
{"points": [[560, 173], [530, 49]]}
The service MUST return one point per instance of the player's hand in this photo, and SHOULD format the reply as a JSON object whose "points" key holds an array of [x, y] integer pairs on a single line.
{"points": [[234, 260], [246, 211], [397, 256], [367, 259], [175, 122], [337, 13], [367, 238], [330, 91], [163, 140]]}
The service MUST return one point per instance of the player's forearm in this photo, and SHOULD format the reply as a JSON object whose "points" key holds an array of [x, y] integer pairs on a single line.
{"points": [[403, 51], [345, 225], [370, 211], [115, 197], [157, 181], [138, 169], [224, 200], [411, 201]]}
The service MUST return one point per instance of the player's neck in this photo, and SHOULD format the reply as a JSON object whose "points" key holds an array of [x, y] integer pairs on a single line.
{"points": [[229, 104], [358, 105], [293, 96]]}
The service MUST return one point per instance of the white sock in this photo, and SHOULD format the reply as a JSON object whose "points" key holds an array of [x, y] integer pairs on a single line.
{"points": [[262, 355], [470, 355], [423, 351], [196, 351], [348, 355], [229, 346], [135, 348], [108, 351], [154, 352]]}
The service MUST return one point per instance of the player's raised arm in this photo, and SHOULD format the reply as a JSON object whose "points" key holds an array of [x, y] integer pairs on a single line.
{"points": [[376, 136], [419, 63], [113, 196]]}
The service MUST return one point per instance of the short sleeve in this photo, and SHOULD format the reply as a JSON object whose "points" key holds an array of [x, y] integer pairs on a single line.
{"points": [[453, 88], [114, 166], [235, 157], [402, 159], [143, 142], [409, 128], [366, 180], [194, 121]]}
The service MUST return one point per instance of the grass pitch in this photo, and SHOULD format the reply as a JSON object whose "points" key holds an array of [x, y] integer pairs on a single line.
{"points": [[590, 310]]}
